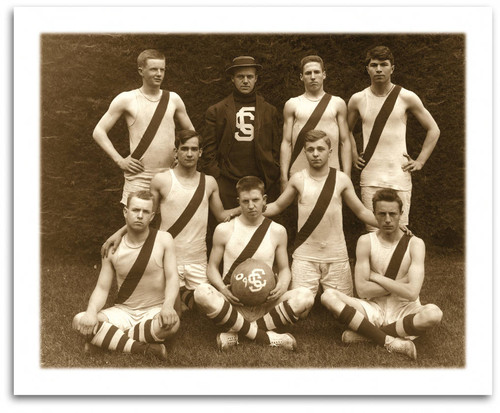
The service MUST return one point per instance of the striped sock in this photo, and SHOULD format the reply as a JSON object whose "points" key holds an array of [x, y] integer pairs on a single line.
{"points": [[356, 321], [143, 332], [187, 297], [403, 327], [231, 320], [110, 337], [279, 316]]}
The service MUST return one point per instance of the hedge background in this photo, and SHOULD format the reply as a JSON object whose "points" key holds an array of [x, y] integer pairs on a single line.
{"points": [[82, 73]]}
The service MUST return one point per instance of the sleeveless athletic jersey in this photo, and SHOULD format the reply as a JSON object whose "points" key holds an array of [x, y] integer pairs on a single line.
{"points": [[380, 257], [151, 288], [384, 169], [160, 153], [190, 243], [327, 123], [327, 242], [239, 239]]}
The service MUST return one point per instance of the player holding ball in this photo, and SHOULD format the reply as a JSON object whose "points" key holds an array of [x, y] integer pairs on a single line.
{"points": [[251, 235]]}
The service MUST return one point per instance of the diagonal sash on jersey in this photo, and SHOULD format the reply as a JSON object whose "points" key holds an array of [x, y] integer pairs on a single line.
{"points": [[190, 209], [319, 209], [153, 126], [379, 124], [309, 125], [397, 257], [135, 274], [250, 248]]}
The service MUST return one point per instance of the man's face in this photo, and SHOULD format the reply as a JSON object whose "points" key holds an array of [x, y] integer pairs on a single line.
{"points": [[189, 152], [313, 75], [380, 71], [317, 153], [138, 214], [244, 79], [252, 203], [387, 215], [153, 72]]}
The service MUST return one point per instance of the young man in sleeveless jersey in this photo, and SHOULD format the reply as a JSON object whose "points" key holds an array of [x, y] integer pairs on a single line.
{"points": [[390, 166], [389, 312], [282, 307], [138, 106], [143, 315]]}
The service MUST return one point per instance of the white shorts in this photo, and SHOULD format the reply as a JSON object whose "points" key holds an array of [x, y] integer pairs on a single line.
{"points": [[310, 274], [367, 193], [125, 318], [192, 275], [380, 317]]}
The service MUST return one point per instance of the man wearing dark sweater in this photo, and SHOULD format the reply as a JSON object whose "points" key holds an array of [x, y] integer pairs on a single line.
{"points": [[242, 135]]}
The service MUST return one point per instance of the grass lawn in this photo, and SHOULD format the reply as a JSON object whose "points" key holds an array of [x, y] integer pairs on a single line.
{"points": [[66, 288]]}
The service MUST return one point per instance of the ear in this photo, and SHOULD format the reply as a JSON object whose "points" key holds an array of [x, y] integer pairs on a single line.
{"points": [[139, 69], [392, 69], [256, 77], [264, 197], [125, 210], [324, 74], [301, 77]]}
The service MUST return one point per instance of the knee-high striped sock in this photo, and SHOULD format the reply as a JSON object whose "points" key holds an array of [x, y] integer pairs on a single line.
{"points": [[111, 337], [279, 316], [187, 297], [231, 320], [403, 327], [143, 332], [356, 321]]}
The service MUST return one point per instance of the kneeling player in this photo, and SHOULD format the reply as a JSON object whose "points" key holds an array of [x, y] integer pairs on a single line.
{"points": [[144, 263], [251, 235], [389, 274]]}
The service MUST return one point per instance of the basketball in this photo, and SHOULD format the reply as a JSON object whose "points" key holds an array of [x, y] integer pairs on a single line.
{"points": [[251, 282]]}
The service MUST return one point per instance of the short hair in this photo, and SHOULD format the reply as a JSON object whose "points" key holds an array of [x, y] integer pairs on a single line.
{"points": [[249, 183], [309, 59], [145, 195], [387, 195], [314, 135], [149, 54], [379, 53], [183, 135]]}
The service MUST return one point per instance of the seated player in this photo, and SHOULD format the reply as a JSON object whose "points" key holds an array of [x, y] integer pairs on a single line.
{"points": [[216, 300], [144, 264], [389, 274]]}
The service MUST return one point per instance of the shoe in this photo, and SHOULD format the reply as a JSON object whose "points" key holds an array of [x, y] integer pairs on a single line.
{"points": [[226, 340], [400, 345], [349, 336], [285, 340], [157, 350]]}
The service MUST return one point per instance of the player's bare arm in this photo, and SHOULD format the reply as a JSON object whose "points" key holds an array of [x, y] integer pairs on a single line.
{"points": [[215, 202], [221, 236], [285, 199], [353, 202], [89, 320], [366, 289], [410, 287], [160, 188], [281, 257], [168, 316], [416, 107], [344, 138], [286, 143], [352, 118], [180, 114], [121, 105]]}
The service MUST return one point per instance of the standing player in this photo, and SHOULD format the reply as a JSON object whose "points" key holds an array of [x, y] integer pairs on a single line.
{"points": [[389, 274], [150, 114], [314, 109], [320, 252], [144, 264], [231, 240], [383, 108], [184, 196]]}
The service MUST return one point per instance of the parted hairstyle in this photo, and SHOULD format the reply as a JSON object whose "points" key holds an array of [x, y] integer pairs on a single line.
{"points": [[183, 135], [149, 54], [249, 183], [387, 195], [379, 53], [145, 195], [314, 135]]}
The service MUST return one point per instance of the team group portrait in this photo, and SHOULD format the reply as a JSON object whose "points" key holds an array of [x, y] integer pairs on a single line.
{"points": [[252, 201]]}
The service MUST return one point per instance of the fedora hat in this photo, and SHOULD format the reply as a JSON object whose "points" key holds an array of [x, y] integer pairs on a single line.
{"points": [[243, 61]]}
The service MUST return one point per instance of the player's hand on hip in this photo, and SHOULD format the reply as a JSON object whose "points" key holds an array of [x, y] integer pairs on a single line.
{"points": [[131, 165], [168, 317], [411, 165], [359, 162]]}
